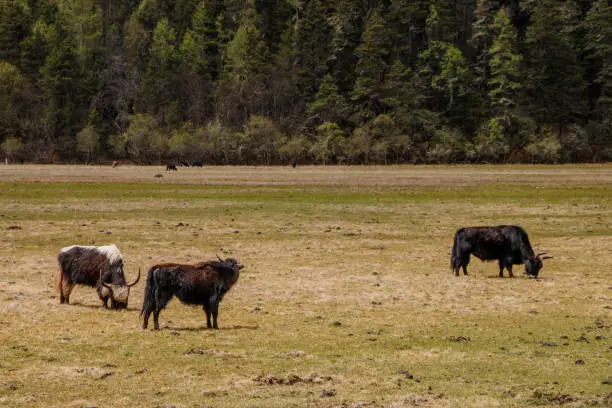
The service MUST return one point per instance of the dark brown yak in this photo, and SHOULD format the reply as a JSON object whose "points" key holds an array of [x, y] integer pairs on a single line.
{"points": [[201, 284]]}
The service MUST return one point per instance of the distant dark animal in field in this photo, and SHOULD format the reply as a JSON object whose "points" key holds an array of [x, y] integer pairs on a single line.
{"points": [[99, 266], [198, 163], [184, 163], [201, 284], [171, 167], [507, 244], [293, 163]]}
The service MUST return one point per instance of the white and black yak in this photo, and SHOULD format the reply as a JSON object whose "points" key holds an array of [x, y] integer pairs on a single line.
{"points": [[201, 284], [99, 266], [507, 244]]}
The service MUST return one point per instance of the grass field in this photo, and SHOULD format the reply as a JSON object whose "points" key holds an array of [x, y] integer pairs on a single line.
{"points": [[346, 299]]}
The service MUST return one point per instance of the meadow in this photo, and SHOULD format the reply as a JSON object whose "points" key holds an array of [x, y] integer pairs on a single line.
{"points": [[346, 298]]}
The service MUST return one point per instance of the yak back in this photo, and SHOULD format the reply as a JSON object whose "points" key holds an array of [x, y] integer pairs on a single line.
{"points": [[499, 242], [83, 264]]}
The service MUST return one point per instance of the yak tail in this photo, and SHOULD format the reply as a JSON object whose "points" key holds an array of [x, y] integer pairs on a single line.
{"points": [[149, 297], [58, 279], [455, 256]]}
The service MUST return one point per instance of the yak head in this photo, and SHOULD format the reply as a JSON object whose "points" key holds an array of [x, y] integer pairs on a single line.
{"points": [[533, 265], [119, 293], [231, 263]]}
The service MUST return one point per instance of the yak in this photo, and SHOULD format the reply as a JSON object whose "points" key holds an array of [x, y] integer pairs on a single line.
{"points": [[99, 266], [201, 284], [507, 244]]}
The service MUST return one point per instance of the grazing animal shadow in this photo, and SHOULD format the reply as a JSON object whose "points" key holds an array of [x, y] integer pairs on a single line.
{"points": [[89, 306], [204, 328]]}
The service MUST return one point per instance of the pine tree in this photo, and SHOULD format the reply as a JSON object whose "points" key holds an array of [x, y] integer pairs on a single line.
{"points": [[482, 39], [14, 22], [504, 66], [406, 20], [59, 86], [244, 87], [206, 40], [158, 88], [371, 66], [599, 36], [312, 47], [554, 76], [405, 100], [328, 105]]}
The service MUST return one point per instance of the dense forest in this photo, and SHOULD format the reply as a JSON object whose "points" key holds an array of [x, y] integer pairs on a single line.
{"points": [[317, 81]]}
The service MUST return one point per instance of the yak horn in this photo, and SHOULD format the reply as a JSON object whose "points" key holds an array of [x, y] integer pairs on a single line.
{"points": [[220, 258], [137, 279], [102, 282], [546, 257], [540, 254]]}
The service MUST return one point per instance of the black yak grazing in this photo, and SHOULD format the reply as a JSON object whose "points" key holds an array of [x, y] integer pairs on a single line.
{"points": [[200, 284], [99, 266], [507, 244]]}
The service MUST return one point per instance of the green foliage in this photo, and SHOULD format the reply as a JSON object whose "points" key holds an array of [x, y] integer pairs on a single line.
{"points": [[329, 143], [490, 143], [12, 88], [546, 149], [504, 65], [11, 147], [143, 142], [484, 71], [446, 70], [14, 21], [294, 148], [371, 66], [448, 145], [328, 105], [261, 139], [554, 75], [88, 143]]}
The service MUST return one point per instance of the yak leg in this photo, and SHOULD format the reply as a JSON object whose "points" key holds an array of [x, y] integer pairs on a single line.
{"points": [[509, 267], [215, 312], [161, 300], [206, 308], [156, 319], [145, 319], [212, 310], [501, 268], [66, 289], [465, 260]]}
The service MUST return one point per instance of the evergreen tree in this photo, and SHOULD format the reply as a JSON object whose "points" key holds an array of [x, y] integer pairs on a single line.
{"points": [[599, 36], [504, 66], [371, 66], [406, 20], [328, 105], [158, 96], [554, 77], [14, 22], [59, 86], [482, 39], [244, 88], [312, 47]]}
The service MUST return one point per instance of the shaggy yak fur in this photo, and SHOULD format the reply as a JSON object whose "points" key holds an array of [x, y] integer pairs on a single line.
{"points": [[201, 284], [507, 244], [99, 266]]}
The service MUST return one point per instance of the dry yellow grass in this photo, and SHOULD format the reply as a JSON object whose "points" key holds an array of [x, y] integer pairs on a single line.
{"points": [[346, 299]]}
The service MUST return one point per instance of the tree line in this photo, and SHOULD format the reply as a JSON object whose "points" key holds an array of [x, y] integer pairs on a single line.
{"points": [[317, 81]]}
